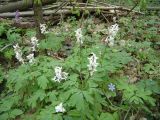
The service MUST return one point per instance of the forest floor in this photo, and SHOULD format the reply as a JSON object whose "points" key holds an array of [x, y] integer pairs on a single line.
{"points": [[125, 84]]}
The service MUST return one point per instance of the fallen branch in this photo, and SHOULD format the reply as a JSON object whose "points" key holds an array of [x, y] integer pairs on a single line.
{"points": [[105, 8], [103, 4], [31, 13], [67, 9], [153, 8], [21, 5]]}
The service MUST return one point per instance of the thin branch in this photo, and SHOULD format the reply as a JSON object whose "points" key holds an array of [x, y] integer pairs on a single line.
{"points": [[31, 13], [61, 6], [105, 18], [67, 9], [132, 8], [82, 18], [5, 47]]}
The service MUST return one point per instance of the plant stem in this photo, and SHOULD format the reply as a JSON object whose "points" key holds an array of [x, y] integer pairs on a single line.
{"points": [[102, 55], [125, 117]]}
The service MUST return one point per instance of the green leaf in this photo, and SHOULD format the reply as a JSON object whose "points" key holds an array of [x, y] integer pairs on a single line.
{"points": [[115, 60], [2, 29], [143, 4], [92, 84], [9, 53], [74, 113], [8, 102], [57, 117], [38, 95], [52, 42], [106, 116], [80, 105], [45, 115], [72, 82], [116, 116], [42, 82], [15, 112], [88, 97], [12, 36], [32, 101], [4, 116], [149, 85], [52, 96]]}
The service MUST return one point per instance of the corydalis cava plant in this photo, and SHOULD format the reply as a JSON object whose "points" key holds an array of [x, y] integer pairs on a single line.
{"points": [[18, 53], [60, 108], [34, 42], [112, 31], [30, 57], [92, 63], [79, 35], [43, 28], [59, 75], [122, 43]]}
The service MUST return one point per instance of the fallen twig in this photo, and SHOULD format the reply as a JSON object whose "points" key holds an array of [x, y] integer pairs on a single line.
{"points": [[21, 5], [105, 8], [31, 13], [132, 8], [5, 47], [67, 9]]}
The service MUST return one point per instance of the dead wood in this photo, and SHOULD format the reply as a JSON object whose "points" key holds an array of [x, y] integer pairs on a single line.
{"points": [[21, 5], [31, 13], [153, 8], [67, 9]]}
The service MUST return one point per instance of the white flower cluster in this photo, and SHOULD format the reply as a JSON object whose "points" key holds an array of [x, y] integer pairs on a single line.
{"points": [[112, 30], [59, 75], [79, 35], [18, 52], [43, 28], [34, 42], [122, 42], [60, 108], [92, 63], [30, 57]]}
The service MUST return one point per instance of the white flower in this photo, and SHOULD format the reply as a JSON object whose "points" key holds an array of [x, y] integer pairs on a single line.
{"points": [[92, 63], [122, 43], [129, 45], [18, 53], [60, 108], [59, 75], [79, 35], [111, 44], [30, 57], [111, 87], [43, 28], [110, 41], [112, 30], [114, 19], [19, 57], [16, 47], [34, 42]]}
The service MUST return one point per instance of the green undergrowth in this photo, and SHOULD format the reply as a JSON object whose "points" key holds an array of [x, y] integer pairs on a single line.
{"points": [[29, 93]]}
